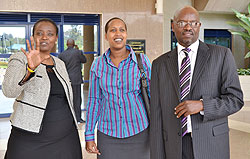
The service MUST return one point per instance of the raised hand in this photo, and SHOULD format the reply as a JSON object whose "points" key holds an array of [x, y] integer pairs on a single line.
{"points": [[34, 56]]}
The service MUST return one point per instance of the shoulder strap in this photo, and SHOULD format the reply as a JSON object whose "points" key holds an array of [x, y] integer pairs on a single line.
{"points": [[139, 62], [143, 74], [144, 85]]}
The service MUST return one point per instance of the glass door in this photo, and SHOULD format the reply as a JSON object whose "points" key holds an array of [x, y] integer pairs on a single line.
{"points": [[12, 39]]}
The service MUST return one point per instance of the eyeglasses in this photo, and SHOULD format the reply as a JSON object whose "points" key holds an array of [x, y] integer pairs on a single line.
{"points": [[182, 24]]}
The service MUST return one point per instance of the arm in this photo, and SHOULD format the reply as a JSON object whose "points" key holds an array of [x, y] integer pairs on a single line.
{"points": [[82, 57], [15, 73], [231, 97], [157, 150], [93, 106], [93, 110]]}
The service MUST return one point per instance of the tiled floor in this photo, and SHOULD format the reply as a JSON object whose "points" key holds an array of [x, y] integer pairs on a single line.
{"points": [[239, 124]]}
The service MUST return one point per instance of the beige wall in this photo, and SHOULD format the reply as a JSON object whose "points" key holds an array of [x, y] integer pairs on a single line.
{"points": [[140, 16]]}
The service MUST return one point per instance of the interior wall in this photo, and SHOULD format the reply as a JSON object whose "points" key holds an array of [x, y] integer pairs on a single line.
{"points": [[219, 21], [140, 16]]}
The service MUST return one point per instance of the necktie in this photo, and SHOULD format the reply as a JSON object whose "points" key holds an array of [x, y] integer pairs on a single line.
{"points": [[185, 73]]}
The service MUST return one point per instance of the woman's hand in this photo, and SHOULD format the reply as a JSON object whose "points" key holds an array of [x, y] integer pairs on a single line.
{"points": [[34, 56], [91, 147]]}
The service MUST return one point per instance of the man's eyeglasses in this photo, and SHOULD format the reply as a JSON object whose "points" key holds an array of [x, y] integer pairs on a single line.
{"points": [[182, 24]]}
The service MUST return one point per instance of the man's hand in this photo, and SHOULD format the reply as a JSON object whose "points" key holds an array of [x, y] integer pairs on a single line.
{"points": [[91, 147], [188, 107]]}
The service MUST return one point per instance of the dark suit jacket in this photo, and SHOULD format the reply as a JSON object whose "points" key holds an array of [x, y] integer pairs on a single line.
{"points": [[73, 59], [214, 80]]}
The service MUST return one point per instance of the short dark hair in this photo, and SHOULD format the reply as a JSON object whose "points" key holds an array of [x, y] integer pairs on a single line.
{"points": [[44, 20], [107, 24]]}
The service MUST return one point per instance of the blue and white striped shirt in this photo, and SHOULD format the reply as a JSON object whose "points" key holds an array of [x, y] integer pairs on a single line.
{"points": [[115, 100]]}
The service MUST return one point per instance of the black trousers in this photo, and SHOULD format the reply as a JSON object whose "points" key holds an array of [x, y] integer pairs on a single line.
{"points": [[77, 100], [187, 147]]}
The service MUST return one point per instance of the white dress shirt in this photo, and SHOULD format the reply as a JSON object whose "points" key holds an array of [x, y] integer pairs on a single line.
{"points": [[192, 55]]}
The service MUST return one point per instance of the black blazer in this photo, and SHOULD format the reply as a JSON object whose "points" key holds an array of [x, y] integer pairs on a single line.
{"points": [[215, 80]]}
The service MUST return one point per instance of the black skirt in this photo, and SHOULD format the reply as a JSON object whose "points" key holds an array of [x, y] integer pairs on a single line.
{"points": [[58, 138], [134, 147]]}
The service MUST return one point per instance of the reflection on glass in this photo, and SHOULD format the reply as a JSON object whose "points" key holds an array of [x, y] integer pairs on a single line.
{"points": [[218, 41], [11, 39], [224, 42], [218, 37], [210, 40]]}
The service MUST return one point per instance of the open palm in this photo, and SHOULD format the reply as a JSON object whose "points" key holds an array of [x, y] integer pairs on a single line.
{"points": [[34, 56]]}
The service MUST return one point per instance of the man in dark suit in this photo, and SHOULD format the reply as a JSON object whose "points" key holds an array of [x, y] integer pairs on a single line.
{"points": [[194, 89], [73, 58]]}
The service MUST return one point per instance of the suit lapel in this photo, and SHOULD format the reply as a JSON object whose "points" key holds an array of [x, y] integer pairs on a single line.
{"points": [[201, 60], [172, 68]]}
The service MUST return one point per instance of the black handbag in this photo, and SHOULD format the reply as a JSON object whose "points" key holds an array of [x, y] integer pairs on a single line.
{"points": [[144, 86]]}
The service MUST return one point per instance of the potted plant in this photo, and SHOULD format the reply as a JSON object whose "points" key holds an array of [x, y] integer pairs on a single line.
{"points": [[244, 24]]}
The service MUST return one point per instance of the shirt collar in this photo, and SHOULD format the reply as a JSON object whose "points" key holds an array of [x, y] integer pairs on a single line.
{"points": [[129, 48], [193, 47]]}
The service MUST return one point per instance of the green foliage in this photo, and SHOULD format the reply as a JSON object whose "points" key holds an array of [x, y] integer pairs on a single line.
{"points": [[3, 64], [243, 71], [244, 23], [75, 34], [6, 44]]}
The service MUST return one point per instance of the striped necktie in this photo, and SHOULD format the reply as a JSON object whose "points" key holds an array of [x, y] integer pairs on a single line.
{"points": [[185, 73]]}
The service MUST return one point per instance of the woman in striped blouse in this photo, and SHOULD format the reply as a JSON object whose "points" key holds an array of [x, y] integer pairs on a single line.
{"points": [[115, 100]]}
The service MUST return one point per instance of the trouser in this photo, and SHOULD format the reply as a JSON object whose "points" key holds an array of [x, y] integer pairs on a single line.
{"points": [[187, 147], [77, 100]]}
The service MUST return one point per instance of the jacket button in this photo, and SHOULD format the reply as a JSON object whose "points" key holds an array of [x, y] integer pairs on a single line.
{"points": [[179, 133]]}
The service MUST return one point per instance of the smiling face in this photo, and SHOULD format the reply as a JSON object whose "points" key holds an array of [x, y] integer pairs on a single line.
{"points": [[46, 33], [116, 34], [186, 35]]}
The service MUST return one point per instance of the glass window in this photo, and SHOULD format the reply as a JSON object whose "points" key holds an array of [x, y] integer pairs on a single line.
{"points": [[223, 41], [74, 32], [12, 39], [95, 38], [218, 37]]}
